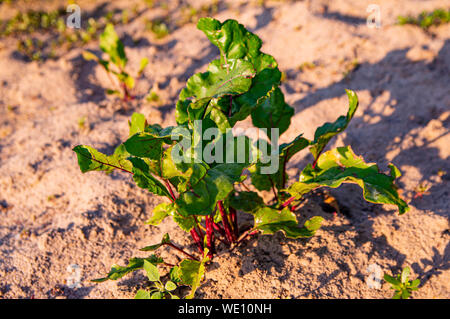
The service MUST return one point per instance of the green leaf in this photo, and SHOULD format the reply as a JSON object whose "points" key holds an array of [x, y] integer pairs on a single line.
{"points": [[215, 185], [152, 271], [142, 294], [274, 112], [143, 64], [405, 274], [89, 159], [89, 56], [175, 274], [219, 80], [405, 294], [392, 280], [192, 272], [113, 92], [327, 131], [230, 79], [415, 283], [264, 181], [262, 84], [170, 286], [111, 45], [341, 165], [246, 201], [269, 221], [160, 212], [157, 295], [143, 178], [186, 223], [137, 123], [134, 264], [149, 143], [181, 172], [397, 295], [235, 42], [164, 241]]}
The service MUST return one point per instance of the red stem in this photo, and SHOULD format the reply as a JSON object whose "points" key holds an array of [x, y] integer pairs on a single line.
{"points": [[170, 190], [210, 236], [289, 201], [181, 250], [197, 240], [226, 225], [233, 217]]}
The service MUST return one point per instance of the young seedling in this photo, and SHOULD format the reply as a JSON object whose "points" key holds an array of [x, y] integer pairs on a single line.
{"points": [[402, 286], [158, 290], [427, 19], [204, 195], [115, 64]]}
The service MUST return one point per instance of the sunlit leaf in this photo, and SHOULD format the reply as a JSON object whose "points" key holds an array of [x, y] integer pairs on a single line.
{"points": [[327, 131], [341, 165]]}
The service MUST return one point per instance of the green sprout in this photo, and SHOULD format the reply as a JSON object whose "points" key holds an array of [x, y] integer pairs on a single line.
{"points": [[115, 63], [158, 290], [402, 286], [427, 19]]}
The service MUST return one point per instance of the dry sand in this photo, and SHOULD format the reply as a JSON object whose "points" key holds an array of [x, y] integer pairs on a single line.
{"points": [[53, 216]]}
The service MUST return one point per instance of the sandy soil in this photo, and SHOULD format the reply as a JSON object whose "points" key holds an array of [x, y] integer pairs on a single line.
{"points": [[52, 216]]}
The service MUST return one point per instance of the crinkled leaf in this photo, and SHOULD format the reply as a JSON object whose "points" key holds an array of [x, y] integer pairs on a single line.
{"points": [[327, 131], [274, 112], [264, 181], [236, 42], [269, 221], [181, 170], [144, 179], [149, 143], [219, 80], [216, 185], [341, 165], [186, 223], [262, 84], [89, 159], [135, 263]]}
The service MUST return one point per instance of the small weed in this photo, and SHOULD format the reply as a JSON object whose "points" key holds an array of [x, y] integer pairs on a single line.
{"points": [[425, 20], [115, 64], [402, 286]]}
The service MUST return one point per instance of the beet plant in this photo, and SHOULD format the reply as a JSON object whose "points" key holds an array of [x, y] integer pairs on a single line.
{"points": [[208, 172], [116, 63]]}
